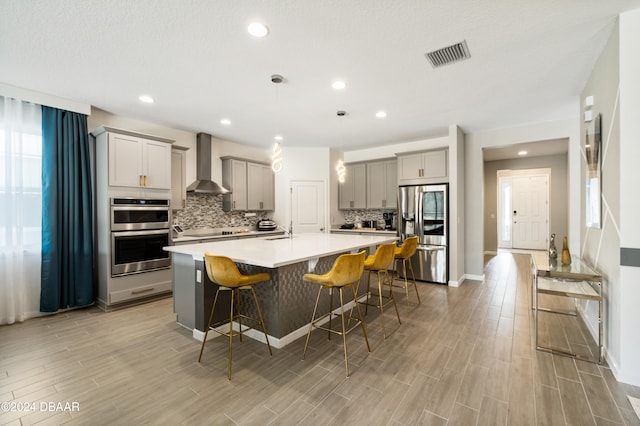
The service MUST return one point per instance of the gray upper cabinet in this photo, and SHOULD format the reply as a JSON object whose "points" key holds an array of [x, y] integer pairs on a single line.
{"points": [[234, 178], [422, 167], [252, 185], [138, 162], [260, 187], [382, 184], [353, 191], [135, 163]]}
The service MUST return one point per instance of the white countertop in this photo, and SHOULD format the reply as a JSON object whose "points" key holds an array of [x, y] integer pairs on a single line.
{"points": [[274, 251]]}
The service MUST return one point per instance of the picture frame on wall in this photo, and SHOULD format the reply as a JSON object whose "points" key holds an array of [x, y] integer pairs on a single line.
{"points": [[593, 178]]}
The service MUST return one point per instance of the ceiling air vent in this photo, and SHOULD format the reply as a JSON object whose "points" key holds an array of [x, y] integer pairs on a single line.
{"points": [[448, 55]]}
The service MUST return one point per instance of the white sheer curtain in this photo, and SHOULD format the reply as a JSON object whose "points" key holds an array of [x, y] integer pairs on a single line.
{"points": [[20, 209]]}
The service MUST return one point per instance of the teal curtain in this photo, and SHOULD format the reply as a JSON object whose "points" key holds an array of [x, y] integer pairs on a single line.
{"points": [[67, 216]]}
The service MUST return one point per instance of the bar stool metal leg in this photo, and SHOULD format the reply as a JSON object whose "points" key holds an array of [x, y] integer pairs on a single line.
{"points": [[313, 317], [344, 333], [206, 333], [233, 293], [366, 339], [264, 328]]}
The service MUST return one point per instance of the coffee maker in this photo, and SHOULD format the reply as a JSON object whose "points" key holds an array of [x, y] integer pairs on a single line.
{"points": [[389, 220]]}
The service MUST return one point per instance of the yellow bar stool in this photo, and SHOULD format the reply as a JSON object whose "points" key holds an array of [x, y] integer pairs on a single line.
{"points": [[380, 262], [345, 272], [224, 272], [404, 253]]}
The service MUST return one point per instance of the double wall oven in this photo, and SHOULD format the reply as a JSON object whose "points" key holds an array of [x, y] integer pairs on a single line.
{"points": [[140, 228]]}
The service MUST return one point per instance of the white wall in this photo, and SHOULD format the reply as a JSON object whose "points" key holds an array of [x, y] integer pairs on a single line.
{"points": [[601, 247], [390, 151], [44, 99], [301, 164], [457, 209], [629, 201]]}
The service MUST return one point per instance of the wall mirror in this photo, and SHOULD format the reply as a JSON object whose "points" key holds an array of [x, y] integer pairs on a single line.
{"points": [[593, 154]]}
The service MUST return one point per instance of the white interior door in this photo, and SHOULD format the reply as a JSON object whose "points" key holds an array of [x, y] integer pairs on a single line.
{"points": [[308, 206], [530, 212]]}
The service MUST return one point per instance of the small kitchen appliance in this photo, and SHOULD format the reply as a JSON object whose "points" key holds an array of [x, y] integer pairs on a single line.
{"points": [[266, 225], [369, 224], [389, 220]]}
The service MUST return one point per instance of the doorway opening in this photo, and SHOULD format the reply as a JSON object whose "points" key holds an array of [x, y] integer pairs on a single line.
{"points": [[523, 209]]}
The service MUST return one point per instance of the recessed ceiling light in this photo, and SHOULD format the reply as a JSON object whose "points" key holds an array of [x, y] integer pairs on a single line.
{"points": [[146, 99], [258, 29], [381, 114], [278, 137], [339, 85], [523, 152], [225, 121]]}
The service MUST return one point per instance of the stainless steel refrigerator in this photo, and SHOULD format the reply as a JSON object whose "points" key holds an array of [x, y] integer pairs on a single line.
{"points": [[423, 211]]}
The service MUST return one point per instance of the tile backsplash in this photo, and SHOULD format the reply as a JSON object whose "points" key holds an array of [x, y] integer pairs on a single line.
{"points": [[355, 216], [205, 211]]}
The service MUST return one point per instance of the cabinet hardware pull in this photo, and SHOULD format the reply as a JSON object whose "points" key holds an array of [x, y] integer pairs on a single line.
{"points": [[184, 203], [145, 181], [140, 181], [144, 290], [261, 205], [234, 204]]}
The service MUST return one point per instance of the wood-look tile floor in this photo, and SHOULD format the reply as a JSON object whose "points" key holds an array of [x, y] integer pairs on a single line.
{"points": [[465, 356]]}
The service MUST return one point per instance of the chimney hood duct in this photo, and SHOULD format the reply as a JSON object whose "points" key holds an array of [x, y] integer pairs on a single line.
{"points": [[203, 183]]}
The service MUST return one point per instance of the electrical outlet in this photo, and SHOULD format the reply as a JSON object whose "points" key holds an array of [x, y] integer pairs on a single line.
{"points": [[198, 276]]}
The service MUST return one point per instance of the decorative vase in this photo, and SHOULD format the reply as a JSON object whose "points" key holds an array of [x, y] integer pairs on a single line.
{"points": [[566, 256], [553, 252]]}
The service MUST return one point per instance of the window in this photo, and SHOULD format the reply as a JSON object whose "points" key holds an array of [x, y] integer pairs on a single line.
{"points": [[20, 208]]}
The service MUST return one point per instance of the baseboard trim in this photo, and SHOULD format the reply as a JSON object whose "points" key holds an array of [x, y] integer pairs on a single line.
{"points": [[474, 277]]}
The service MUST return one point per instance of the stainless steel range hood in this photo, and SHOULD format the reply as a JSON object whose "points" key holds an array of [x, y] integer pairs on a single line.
{"points": [[203, 183]]}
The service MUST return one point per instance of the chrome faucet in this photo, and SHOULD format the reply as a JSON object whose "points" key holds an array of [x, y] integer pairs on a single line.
{"points": [[288, 232]]}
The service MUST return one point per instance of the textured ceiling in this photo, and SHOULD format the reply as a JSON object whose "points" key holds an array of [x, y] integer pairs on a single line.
{"points": [[529, 63]]}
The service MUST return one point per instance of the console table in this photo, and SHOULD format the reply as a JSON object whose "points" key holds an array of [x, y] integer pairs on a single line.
{"points": [[577, 281]]}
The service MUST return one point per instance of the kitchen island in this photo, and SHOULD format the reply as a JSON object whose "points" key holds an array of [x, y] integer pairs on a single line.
{"points": [[286, 301]]}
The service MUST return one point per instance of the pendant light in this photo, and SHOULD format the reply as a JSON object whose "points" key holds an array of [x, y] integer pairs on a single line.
{"points": [[276, 156], [340, 167]]}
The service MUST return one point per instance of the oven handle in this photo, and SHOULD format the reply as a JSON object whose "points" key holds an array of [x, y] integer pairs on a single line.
{"points": [[137, 233], [139, 208]]}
